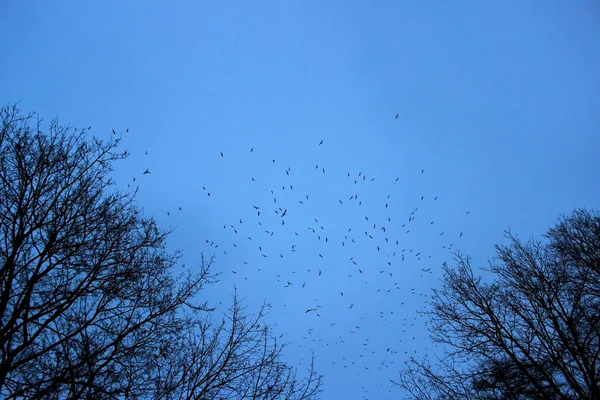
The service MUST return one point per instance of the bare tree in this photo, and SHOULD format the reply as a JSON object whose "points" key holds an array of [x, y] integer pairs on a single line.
{"points": [[532, 333], [90, 305]]}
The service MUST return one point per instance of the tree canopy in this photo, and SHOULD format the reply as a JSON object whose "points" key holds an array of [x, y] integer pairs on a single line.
{"points": [[531, 333], [91, 305]]}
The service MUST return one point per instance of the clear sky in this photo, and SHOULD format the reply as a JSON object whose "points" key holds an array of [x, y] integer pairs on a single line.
{"points": [[498, 109]]}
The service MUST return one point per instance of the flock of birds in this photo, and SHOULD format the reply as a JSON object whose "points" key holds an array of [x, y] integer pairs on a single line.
{"points": [[353, 260]]}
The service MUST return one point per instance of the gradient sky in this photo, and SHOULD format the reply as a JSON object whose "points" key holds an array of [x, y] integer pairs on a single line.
{"points": [[498, 103]]}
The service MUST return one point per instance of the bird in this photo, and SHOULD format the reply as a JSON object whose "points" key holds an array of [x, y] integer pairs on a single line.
{"points": [[221, 154], [396, 116], [422, 170], [146, 172], [320, 143], [251, 150]]}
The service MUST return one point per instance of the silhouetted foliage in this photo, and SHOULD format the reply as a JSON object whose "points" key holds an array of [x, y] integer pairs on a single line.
{"points": [[533, 333], [90, 303]]}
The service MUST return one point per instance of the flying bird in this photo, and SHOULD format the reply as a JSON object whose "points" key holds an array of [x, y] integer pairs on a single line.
{"points": [[146, 172], [320, 143], [396, 116]]}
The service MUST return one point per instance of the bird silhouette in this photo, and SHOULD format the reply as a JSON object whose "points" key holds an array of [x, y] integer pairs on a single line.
{"points": [[320, 143], [146, 172], [396, 116]]}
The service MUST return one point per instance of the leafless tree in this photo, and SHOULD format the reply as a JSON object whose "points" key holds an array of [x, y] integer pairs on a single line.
{"points": [[532, 333], [90, 302]]}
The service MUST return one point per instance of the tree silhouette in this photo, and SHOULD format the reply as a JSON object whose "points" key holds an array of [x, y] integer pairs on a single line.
{"points": [[90, 304], [532, 333]]}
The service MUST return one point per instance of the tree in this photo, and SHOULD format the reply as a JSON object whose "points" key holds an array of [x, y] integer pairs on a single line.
{"points": [[90, 304], [532, 333]]}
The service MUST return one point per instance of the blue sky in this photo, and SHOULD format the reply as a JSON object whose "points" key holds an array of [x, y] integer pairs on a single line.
{"points": [[498, 103]]}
